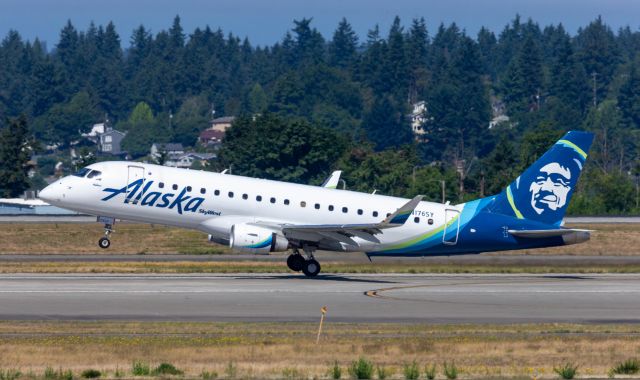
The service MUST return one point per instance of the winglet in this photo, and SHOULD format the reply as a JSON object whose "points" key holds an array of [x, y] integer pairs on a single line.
{"points": [[332, 181], [402, 214]]}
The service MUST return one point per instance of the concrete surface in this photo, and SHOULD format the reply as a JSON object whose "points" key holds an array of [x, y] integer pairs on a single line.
{"points": [[349, 298]]}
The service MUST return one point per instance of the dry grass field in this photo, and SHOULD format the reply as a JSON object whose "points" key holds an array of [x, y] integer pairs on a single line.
{"points": [[267, 350], [130, 238]]}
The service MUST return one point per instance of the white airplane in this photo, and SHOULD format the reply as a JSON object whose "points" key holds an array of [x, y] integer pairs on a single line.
{"points": [[261, 216]]}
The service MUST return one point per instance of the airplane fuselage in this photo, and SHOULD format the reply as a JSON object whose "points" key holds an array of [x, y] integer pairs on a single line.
{"points": [[214, 203]]}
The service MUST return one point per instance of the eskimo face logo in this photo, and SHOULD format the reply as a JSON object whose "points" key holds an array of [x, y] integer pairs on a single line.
{"points": [[551, 187]]}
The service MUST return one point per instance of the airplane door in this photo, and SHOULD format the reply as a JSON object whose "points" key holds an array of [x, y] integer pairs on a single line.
{"points": [[451, 227], [134, 173]]}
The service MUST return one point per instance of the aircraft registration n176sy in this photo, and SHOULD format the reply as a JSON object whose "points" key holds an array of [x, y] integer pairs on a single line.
{"points": [[262, 216]]}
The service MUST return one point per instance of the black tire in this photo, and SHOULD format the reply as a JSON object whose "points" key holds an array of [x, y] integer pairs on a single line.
{"points": [[295, 262], [311, 268], [104, 243]]}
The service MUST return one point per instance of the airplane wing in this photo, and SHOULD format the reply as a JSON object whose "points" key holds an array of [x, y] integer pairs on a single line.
{"points": [[332, 181], [343, 233], [534, 234]]}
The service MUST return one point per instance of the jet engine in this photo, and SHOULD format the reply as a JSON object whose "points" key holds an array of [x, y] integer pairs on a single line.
{"points": [[254, 239]]}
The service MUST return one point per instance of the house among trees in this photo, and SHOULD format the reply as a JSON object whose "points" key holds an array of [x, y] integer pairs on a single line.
{"points": [[110, 141], [170, 150], [188, 159], [211, 138], [418, 118], [222, 123]]}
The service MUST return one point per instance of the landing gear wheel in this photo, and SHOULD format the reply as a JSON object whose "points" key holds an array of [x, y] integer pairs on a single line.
{"points": [[104, 242], [311, 268], [295, 262]]}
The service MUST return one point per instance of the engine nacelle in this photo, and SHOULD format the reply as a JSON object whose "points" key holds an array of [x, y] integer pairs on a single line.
{"points": [[258, 240]]}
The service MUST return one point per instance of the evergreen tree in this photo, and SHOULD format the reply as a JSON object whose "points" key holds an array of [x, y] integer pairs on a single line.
{"points": [[386, 125], [598, 52], [629, 96], [523, 81], [342, 50], [15, 151]]}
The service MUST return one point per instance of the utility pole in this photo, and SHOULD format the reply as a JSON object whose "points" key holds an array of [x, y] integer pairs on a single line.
{"points": [[595, 88]]}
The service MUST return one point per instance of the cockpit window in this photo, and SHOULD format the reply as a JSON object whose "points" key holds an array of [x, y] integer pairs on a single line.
{"points": [[94, 173], [82, 172]]}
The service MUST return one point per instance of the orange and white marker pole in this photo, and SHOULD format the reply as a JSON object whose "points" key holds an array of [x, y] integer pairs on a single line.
{"points": [[323, 310]]}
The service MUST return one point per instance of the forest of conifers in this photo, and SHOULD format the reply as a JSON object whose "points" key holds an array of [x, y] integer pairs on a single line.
{"points": [[312, 103]]}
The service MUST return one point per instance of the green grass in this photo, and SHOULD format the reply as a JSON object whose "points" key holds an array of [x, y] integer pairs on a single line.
{"points": [[361, 369], [627, 367], [566, 371]]}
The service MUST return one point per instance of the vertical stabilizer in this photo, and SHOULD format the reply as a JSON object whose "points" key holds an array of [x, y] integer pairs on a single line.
{"points": [[542, 193]]}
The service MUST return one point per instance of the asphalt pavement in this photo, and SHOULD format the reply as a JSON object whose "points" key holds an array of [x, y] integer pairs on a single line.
{"points": [[429, 298]]}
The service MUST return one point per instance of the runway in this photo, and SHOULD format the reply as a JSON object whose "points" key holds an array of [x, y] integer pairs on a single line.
{"points": [[349, 298]]}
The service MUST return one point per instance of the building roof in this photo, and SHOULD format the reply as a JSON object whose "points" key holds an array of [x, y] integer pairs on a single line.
{"points": [[169, 147], [223, 120], [209, 134], [200, 156]]}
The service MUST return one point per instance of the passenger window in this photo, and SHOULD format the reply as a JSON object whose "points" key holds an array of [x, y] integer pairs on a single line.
{"points": [[161, 185], [303, 204], [345, 210], [245, 196], [416, 219], [330, 207], [317, 206], [175, 187], [203, 190], [189, 188], [217, 192], [286, 202], [359, 211], [231, 194], [375, 214], [430, 221], [272, 200], [259, 198]]}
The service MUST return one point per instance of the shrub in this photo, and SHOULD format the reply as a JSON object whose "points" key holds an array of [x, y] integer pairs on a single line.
{"points": [[166, 369], [140, 369], [411, 371], [118, 373], [9, 374], [361, 369], [91, 374], [430, 371], [49, 373], [335, 372], [567, 371], [382, 372], [627, 367], [450, 370]]}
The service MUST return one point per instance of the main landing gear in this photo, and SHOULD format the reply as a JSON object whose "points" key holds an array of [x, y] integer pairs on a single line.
{"points": [[309, 266], [104, 241]]}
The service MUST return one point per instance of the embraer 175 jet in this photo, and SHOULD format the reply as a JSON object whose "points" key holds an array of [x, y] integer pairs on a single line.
{"points": [[261, 216]]}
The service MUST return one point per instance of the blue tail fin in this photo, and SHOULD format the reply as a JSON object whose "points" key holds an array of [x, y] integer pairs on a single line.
{"points": [[542, 193]]}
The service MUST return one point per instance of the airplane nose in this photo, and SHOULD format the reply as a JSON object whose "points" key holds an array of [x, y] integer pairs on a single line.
{"points": [[50, 193]]}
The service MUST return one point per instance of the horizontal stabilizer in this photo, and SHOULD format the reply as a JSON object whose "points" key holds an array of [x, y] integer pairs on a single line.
{"points": [[535, 234]]}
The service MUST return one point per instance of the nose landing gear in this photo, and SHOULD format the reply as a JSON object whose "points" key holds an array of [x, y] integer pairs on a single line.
{"points": [[309, 266], [104, 241]]}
